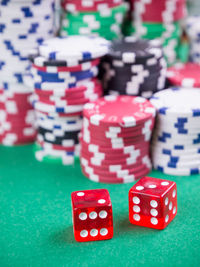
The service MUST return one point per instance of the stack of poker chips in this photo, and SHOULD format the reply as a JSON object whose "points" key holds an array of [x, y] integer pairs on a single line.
{"points": [[93, 17], [134, 67], [63, 75], [159, 19], [192, 30], [16, 116], [184, 75], [23, 24], [176, 138], [115, 139]]}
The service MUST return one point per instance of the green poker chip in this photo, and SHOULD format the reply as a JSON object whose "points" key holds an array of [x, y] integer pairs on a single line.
{"points": [[104, 24], [155, 30]]}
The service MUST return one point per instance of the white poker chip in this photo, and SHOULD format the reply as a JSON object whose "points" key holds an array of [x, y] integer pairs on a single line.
{"points": [[69, 48], [177, 101]]}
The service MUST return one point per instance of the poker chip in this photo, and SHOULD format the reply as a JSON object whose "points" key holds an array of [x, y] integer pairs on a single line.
{"points": [[134, 67], [53, 156], [69, 49], [90, 5], [16, 116], [23, 24], [115, 139], [176, 139], [153, 19], [184, 75], [95, 18], [63, 76], [192, 30], [165, 11]]}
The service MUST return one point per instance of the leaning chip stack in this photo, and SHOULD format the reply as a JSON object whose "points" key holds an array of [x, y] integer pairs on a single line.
{"points": [[93, 17], [184, 75], [134, 67], [193, 30], [23, 24], [176, 138], [159, 19], [115, 139], [63, 75]]}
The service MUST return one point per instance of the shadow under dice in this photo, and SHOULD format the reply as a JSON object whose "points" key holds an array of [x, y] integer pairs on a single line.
{"points": [[92, 215], [152, 202]]}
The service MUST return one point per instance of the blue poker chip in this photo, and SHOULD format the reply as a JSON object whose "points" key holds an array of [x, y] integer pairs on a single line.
{"points": [[177, 101]]}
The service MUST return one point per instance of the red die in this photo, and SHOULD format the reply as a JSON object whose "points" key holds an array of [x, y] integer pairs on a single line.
{"points": [[92, 215], [152, 202]]}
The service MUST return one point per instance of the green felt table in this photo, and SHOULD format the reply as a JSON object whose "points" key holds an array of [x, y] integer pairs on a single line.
{"points": [[36, 221]]}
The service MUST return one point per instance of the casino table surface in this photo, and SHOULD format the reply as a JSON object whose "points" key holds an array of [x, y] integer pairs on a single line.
{"points": [[36, 220]]}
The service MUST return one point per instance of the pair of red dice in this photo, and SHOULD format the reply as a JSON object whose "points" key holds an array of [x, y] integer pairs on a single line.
{"points": [[152, 203]]}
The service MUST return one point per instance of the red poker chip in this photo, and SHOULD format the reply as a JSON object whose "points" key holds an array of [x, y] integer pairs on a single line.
{"points": [[6, 140], [14, 127], [70, 96], [156, 11], [107, 137], [110, 144], [79, 6], [128, 111], [73, 92], [17, 123], [109, 150], [53, 114], [113, 156], [121, 161], [120, 174], [120, 132], [185, 75], [67, 101], [82, 67], [116, 180], [21, 132], [106, 167], [18, 101], [13, 114], [117, 144]]}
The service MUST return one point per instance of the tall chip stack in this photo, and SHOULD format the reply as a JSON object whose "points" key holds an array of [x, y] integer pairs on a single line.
{"points": [[159, 19], [93, 17], [134, 67], [64, 77], [115, 139], [23, 25], [192, 31], [176, 137]]}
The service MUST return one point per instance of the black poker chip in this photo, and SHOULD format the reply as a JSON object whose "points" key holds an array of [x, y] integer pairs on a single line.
{"points": [[134, 50], [134, 67], [58, 139]]}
